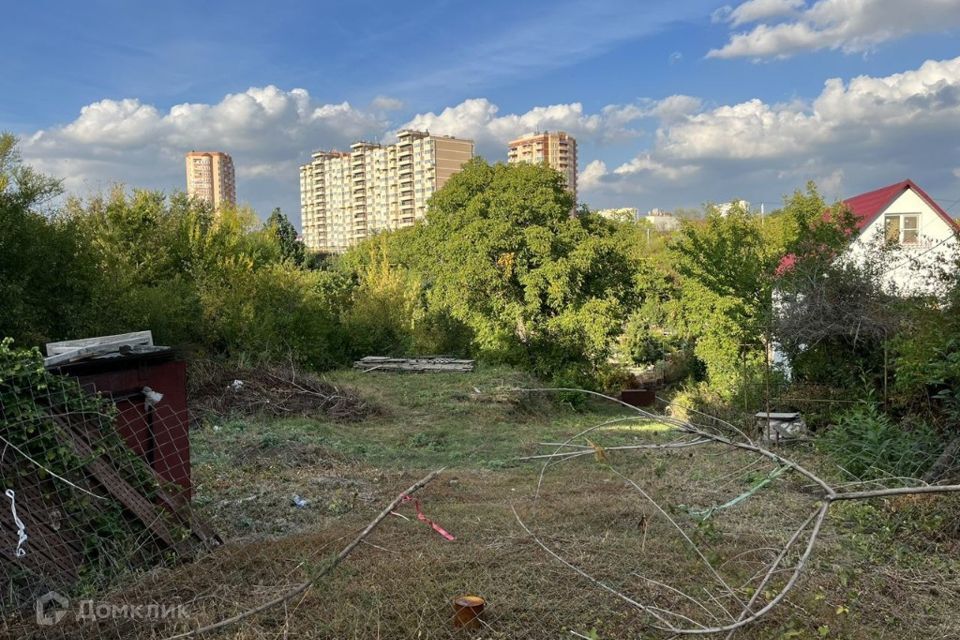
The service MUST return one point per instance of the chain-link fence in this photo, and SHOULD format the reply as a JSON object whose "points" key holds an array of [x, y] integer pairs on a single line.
{"points": [[644, 525]]}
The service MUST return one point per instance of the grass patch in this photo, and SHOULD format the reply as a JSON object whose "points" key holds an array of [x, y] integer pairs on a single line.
{"points": [[866, 577]]}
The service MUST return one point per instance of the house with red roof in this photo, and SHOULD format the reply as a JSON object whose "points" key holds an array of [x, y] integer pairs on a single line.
{"points": [[928, 240], [905, 214]]}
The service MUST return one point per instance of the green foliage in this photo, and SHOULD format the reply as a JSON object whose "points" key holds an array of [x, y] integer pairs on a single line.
{"points": [[291, 248], [731, 265], [384, 306], [47, 275], [502, 256], [927, 359], [276, 312], [643, 345], [29, 394], [223, 282], [868, 444]]}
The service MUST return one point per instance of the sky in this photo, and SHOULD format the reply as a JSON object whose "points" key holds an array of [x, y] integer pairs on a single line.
{"points": [[673, 104]]}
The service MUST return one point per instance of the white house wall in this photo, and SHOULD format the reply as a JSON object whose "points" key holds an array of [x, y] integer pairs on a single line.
{"points": [[912, 270]]}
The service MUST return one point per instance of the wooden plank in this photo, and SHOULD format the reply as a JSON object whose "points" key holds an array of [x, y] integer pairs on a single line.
{"points": [[184, 513], [99, 349], [134, 338], [151, 517], [421, 364], [172, 502]]}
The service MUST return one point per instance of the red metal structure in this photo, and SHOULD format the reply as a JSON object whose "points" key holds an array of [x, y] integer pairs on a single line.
{"points": [[157, 430]]}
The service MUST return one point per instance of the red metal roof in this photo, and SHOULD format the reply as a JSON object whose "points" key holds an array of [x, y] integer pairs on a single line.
{"points": [[867, 206]]}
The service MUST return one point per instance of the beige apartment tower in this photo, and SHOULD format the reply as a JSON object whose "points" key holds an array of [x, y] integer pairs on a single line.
{"points": [[557, 148], [210, 177], [347, 196]]}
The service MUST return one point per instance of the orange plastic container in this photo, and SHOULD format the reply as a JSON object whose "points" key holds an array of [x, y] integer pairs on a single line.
{"points": [[467, 610]]}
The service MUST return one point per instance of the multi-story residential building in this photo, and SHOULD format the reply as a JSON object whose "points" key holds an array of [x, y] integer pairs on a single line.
{"points": [[557, 148], [621, 214], [210, 177], [347, 196]]}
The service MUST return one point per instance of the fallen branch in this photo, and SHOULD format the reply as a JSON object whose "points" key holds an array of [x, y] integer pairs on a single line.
{"points": [[665, 620], [340, 557]]}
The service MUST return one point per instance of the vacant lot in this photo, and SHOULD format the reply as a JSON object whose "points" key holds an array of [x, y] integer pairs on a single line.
{"points": [[888, 569]]}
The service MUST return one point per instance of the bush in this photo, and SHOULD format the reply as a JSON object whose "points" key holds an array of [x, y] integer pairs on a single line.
{"points": [[868, 444], [640, 344], [277, 312]]}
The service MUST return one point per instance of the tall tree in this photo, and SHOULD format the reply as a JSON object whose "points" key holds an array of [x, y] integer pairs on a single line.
{"points": [[502, 254], [737, 258], [291, 247], [47, 273]]}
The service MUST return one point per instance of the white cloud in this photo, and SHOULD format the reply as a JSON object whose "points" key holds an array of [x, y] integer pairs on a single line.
{"points": [[756, 10], [591, 175], [480, 120], [856, 134], [268, 131], [673, 108], [386, 103], [644, 164], [848, 25]]}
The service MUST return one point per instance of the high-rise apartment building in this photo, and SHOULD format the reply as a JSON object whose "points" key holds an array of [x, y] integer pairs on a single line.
{"points": [[345, 197], [211, 178], [557, 148]]}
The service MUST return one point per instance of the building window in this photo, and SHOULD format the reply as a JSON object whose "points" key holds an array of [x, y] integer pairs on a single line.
{"points": [[902, 227]]}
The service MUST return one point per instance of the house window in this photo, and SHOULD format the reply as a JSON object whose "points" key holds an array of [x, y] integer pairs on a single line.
{"points": [[902, 227]]}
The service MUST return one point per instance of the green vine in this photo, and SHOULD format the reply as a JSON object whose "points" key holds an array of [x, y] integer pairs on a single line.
{"points": [[37, 454]]}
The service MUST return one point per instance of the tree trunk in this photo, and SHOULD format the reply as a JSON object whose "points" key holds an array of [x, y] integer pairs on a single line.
{"points": [[945, 462]]}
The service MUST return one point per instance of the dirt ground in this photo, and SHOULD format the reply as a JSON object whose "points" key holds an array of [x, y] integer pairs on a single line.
{"points": [[288, 493]]}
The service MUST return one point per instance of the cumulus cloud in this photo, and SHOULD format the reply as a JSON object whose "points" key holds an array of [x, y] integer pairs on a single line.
{"points": [[270, 131], [756, 10], [386, 103], [267, 130], [848, 25], [856, 134], [480, 120], [592, 174], [646, 164]]}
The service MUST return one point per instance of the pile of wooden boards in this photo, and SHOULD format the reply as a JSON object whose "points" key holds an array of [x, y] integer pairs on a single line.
{"points": [[416, 365], [59, 353]]}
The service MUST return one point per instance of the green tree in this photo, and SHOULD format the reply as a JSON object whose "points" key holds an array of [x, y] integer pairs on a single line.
{"points": [[291, 247], [502, 255], [47, 272], [733, 262]]}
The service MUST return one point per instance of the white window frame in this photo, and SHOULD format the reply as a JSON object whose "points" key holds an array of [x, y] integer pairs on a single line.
{"points": [[902, 230]]}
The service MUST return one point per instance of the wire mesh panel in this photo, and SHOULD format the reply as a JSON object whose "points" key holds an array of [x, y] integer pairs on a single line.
{"points": [[643, 525]]}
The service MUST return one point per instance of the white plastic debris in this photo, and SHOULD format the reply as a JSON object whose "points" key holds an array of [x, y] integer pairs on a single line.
{"points": [[21, 528], [236, 385], [151, 398], [299, 502]]}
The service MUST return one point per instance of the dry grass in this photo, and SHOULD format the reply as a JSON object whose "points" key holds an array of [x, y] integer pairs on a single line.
{"points": [[877, 572], [218, 389]]}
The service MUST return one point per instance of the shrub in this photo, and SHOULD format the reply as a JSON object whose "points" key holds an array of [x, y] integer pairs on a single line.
{"points": [[640, 344], [868, 444], [276, 312]]}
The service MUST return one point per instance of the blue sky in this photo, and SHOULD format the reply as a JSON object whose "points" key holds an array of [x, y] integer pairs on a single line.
{"points": [[673, 103]]}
